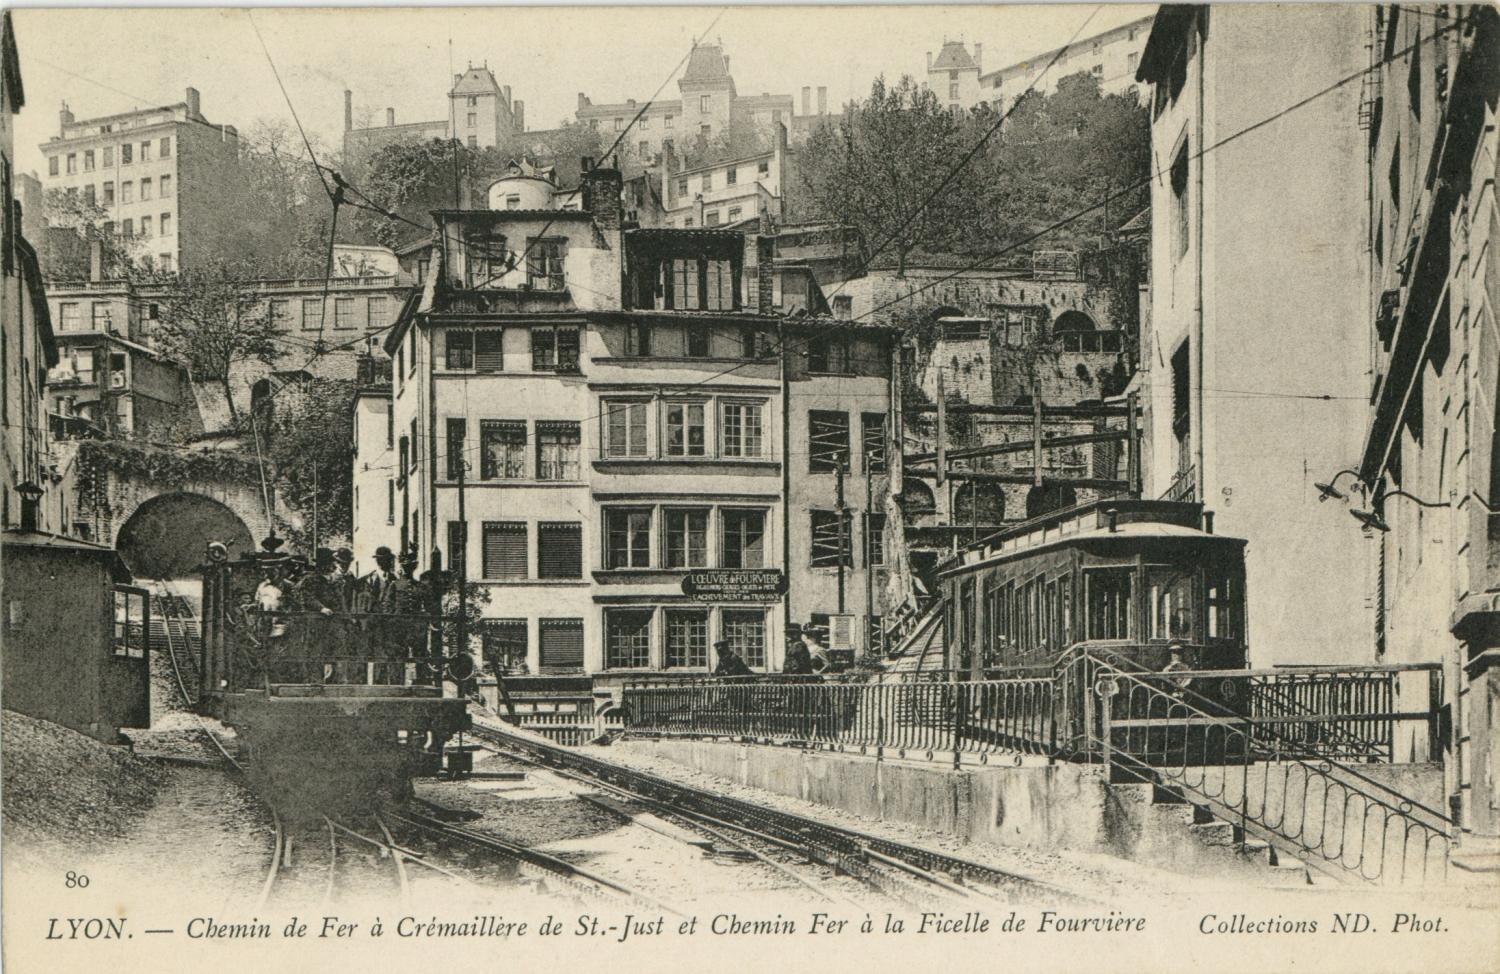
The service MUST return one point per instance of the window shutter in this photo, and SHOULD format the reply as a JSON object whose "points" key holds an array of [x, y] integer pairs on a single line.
{"points": [[561, 649], [488, 356], [505, 549], [560, 550]]}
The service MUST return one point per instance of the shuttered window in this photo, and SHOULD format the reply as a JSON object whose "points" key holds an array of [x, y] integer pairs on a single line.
{"points": [[505, 549], [559, 549], [502, 449], [455, 457], [828, 441], [557, 450], [627, 638], [874, 540], [687, 638], [505, 643], [827, 545], [872, 445], [488, 356], [561, 645]]}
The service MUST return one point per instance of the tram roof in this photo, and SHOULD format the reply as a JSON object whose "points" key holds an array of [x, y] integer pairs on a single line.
{"points": [[1135, 521]]}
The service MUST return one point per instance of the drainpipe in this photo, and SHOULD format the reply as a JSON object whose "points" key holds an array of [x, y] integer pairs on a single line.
{"points": [[1198, 322], [786, 468]]}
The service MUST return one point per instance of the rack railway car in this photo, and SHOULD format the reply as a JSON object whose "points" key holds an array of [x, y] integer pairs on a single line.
{"points": [[1136, 579], [334, 710]]}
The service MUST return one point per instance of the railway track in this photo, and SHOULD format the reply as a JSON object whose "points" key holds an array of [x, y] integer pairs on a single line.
{"points": [[533, 864], [893, 869]]}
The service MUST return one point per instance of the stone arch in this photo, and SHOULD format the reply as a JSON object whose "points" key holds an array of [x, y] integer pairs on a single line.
{"points": [[165, 536], [979, 503], [1049, 497], [917, 497], [1073, 321]]}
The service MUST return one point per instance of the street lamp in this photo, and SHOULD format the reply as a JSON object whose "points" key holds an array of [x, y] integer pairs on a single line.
{"points": [[31, 496], [1328, 490], [1375, 519]]}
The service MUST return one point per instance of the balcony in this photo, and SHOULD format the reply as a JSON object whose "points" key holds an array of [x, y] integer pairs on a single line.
{"points": [[1184, 488]]}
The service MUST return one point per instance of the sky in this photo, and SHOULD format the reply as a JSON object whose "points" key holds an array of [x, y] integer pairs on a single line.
{"points": [[104, 61]]}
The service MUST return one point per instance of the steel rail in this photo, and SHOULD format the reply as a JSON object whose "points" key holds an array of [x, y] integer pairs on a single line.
{"points": [[707, 824], [551, 864], [395, 858], [847, 848]]}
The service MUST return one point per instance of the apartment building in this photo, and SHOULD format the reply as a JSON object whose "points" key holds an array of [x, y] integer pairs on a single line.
{"points": [[1113, 57], [157, 173], [27, 346], [953, 77], [1427, 487], [607, 407], [481, 114], [726, 193], [1257, 287]]}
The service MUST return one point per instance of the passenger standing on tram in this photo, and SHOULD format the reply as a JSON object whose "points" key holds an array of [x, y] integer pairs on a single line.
{"points": [[372, 594], [270, 600], [343, 586], [798, 661], [408, 599], [317, 596]]}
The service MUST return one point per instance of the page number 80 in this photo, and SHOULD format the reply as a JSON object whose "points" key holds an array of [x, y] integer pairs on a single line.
{"points": [[74, 880]]}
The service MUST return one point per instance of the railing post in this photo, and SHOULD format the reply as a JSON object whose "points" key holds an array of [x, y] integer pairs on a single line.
{"points": [[1105, 751], [1434, 724], [960, 712]]}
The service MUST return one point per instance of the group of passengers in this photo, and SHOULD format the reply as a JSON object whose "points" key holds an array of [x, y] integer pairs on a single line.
{"points": [[316, 624]]}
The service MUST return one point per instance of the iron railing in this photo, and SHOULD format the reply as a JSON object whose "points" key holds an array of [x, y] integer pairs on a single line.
{"points": [[1255, 774], [954, 717]]}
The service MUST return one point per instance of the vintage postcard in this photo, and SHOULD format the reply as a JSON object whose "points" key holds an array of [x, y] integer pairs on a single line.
{"points": [[751, 488]]}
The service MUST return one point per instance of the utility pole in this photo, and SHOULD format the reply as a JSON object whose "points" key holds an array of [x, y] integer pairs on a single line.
{"points": [[838, 482], [869, 547], [315, 509], [461, 573], [942, 431]]}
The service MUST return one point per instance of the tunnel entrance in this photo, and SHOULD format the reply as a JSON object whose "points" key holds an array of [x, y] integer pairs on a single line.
{"points": [[167, 535]]}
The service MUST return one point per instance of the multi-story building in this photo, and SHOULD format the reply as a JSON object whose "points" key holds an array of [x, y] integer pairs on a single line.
{"points": [[954, 76], [1430, 487], [481, 114], [27, 347], [373, 498], [728, 192], [157, 173], [709, 107], [604, 404], [1251, 394], [1113, 57]]}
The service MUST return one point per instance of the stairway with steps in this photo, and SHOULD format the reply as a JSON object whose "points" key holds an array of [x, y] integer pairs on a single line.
{"points": [[174, 630]]}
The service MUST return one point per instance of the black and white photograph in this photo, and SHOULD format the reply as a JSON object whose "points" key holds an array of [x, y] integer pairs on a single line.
{"points": [[830, 487]]}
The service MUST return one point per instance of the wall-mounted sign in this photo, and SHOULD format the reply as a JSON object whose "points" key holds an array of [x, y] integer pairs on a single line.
{"points": [[735, 585]]}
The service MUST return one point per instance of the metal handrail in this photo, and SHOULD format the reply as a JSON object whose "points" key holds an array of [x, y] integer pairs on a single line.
{"points": [[1176, 737]]}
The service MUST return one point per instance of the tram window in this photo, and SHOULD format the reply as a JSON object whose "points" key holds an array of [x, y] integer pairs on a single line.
{"points": [[1049, 617], [1171, 605], [1006, 626], [1223, 612], [1108, 595], [966, 614]]}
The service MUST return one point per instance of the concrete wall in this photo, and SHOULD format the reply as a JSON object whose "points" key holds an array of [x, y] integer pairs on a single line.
{"points": [[1274, 321]]}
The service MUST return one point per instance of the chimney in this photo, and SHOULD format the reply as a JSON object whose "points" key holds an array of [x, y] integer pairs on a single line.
{"points": [[822, 100], [583, 101], [96, 259], [726, 63], [193, 103], [506, 89], [601, 195], [806, 100], [518, 113], [979, 56], [929, 62], [65, 117], [390, 117], [348, 110]]}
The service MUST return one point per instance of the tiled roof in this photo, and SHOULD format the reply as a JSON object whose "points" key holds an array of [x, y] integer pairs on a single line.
{"points": [[476, 81], [706, 64], [953, 56]]}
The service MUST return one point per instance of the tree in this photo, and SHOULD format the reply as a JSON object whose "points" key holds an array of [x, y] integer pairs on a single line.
{"points": [[212, 320], [72, 223], [309, 446], [877, 168]]}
